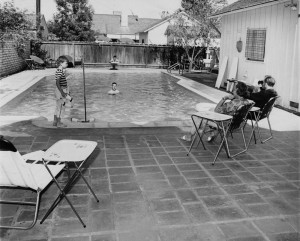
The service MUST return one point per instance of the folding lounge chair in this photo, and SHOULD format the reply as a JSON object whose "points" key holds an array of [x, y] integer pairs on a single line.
{"points": [[53, 162], [225, 125], [29, 63], [16, 173], [38, 63], [259, 115]]}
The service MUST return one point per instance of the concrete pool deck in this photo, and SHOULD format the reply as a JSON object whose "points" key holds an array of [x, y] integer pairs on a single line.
{"points": [[149, 190]]}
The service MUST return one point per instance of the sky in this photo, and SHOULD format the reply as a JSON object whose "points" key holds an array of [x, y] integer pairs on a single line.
{"points": [[142, 8]]}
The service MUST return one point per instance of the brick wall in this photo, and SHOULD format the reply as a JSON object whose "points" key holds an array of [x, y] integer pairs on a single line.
{"points": [[10, 62]]}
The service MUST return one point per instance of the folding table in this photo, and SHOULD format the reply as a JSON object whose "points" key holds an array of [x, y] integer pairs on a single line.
{"points": [[219, 120], [69, 151]]}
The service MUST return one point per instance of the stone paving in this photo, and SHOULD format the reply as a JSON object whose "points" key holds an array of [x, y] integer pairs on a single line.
{"points": [[149, 189]]}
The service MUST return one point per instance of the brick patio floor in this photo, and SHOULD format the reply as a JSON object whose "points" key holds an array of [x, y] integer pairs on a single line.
{"points": [[149, 190]]}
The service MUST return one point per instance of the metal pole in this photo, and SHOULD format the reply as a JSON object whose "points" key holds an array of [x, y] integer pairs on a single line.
{"points": [[84, 98]]}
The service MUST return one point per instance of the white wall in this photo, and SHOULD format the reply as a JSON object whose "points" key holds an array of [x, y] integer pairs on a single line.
{"points": [[157, 35], [280, 23], [118, 36]]}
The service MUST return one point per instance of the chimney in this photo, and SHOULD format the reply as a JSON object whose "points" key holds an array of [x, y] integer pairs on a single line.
{"points": [[38, 14], [38, 7]]}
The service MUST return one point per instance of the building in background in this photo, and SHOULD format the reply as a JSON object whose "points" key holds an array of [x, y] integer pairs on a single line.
{"points": [[264, 36], [118, 26], [34, 27]]}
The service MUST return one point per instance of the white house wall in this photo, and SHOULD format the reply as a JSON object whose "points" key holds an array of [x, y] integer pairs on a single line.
{"points": [[118, 36], [280, 23], [157, 35]]}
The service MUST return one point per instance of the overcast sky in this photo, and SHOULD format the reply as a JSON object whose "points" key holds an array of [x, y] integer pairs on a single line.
{"points": [[142, 8]]}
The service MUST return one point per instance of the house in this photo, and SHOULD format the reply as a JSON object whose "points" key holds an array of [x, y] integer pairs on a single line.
{"points": [[32, 18], [118, 26], [264, 36], [155, 33]]}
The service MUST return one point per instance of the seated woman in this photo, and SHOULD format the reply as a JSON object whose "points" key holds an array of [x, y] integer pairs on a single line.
{"points": [[113, 90], [224, 107], [114, 63]]}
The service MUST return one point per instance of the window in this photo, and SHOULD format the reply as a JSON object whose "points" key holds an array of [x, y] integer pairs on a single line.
{"points": [[255, 44]]}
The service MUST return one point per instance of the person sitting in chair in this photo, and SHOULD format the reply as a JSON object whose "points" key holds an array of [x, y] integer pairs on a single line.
{"points": [[227, 105], [263, 93], [114, 63]]}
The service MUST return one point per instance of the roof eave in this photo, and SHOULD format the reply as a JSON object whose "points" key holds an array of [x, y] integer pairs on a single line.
{"points": [[167, 19], [248, 8]]}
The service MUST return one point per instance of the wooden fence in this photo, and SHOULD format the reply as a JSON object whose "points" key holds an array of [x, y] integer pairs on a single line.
{"points": [[97, 54]]}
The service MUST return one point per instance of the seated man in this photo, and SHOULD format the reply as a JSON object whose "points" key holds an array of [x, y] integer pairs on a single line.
{"points": [[262, 94], [114, 62], [224, 107]]}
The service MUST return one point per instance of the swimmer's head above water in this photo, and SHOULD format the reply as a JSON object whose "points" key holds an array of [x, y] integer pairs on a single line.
{"points": [[113, 90], [114, 86]]}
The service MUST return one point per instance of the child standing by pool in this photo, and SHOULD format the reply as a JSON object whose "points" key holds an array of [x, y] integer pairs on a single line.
{"points": [[61, 91]]}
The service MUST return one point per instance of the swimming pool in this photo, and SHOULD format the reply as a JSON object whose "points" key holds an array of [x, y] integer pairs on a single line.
{"points": [[145, 96]]}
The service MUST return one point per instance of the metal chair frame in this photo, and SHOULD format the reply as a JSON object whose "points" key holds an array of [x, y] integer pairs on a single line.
{"points": [[260, 115], [54, 160], [8, 146], [231, 125]]}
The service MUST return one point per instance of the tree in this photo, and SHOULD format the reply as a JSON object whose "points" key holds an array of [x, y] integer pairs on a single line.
{"points": [[12, 18], [14, 26], [73, 21], [202, 9], [192, 28], [188, 33]]}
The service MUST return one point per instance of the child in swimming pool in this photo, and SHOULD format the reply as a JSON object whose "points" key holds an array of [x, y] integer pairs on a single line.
{"points": [[113, 90]]}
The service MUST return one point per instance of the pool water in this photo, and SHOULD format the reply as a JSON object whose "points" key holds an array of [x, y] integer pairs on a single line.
{"points": [[143, 97]]}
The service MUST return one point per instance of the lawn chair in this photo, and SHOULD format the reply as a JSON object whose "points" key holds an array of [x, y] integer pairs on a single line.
{"points": [[260, 114], [225, 125], [16, 173], [44, 167], [29, 63], [37, 62]]}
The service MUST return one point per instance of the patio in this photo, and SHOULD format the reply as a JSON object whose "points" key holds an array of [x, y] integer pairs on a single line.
{"points": [[150, 190]]}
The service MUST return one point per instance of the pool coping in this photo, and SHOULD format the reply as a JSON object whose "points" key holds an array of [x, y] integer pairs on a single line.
{"points": [[43, 122]]}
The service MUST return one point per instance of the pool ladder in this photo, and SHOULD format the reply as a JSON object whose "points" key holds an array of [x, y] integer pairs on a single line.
{"points": [[174, 66]]}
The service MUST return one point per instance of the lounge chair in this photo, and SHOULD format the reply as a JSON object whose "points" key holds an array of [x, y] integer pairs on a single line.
{"points": [[36, 170], [37, 62], [15, 172]]}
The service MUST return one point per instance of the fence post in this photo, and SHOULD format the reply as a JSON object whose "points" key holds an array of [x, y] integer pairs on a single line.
{"points": [[146, 55], [73, 54]]}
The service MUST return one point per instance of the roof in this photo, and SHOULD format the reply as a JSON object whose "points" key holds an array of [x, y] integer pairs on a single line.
{"points": [[31, 18], [111, 24], [161, 21], [242, 4]]}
